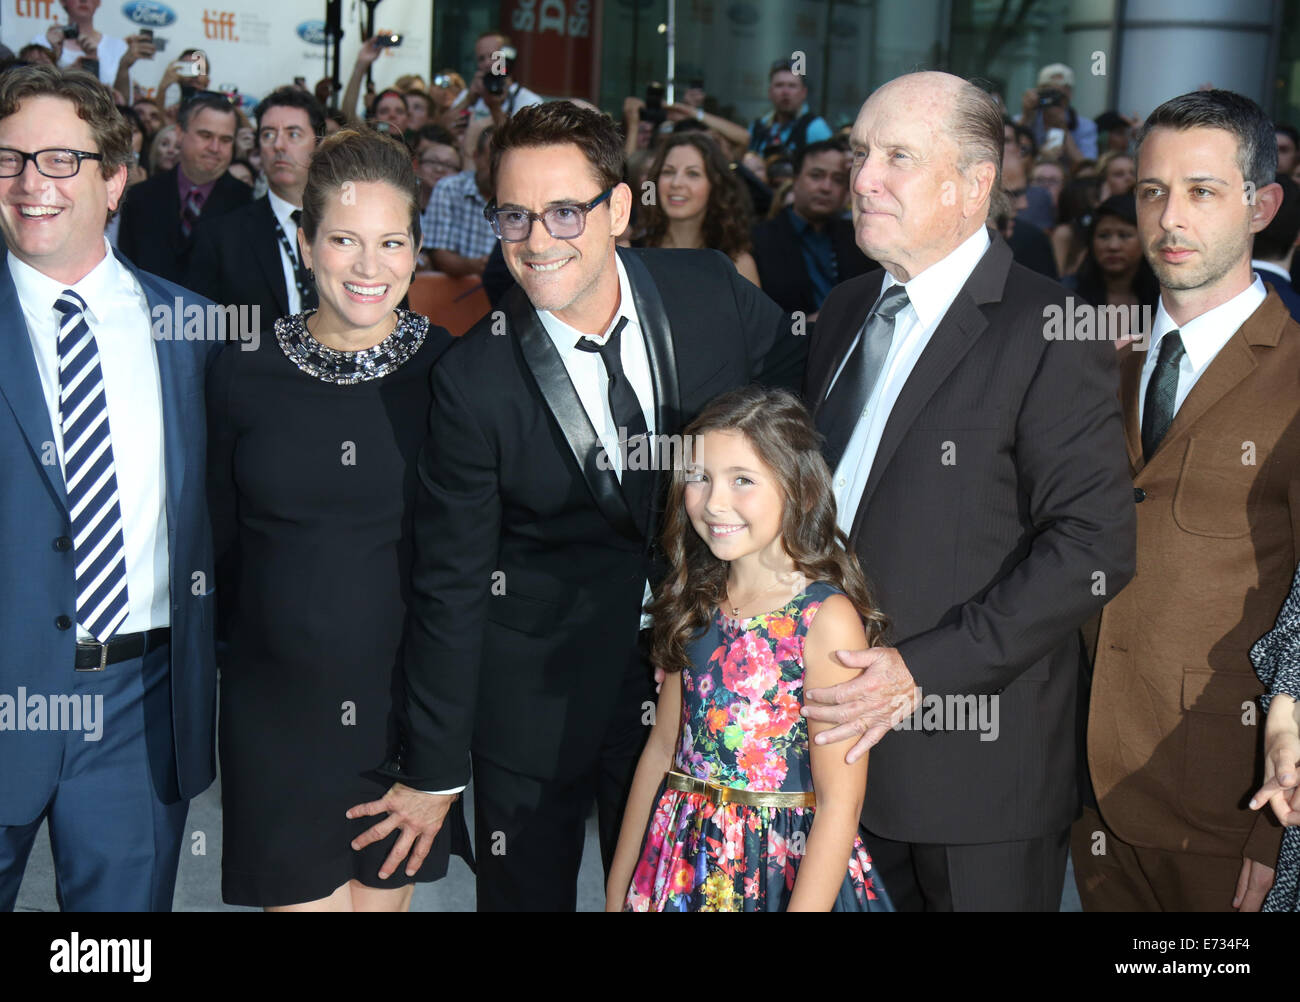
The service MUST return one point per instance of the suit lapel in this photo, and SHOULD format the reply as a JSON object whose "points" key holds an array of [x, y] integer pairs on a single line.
{"points": [[657, 334], [845, 333], [954, 336], [1231, 365], [177, 404], [266, 244], [557, 390], [20, 385], [1130, 386]]}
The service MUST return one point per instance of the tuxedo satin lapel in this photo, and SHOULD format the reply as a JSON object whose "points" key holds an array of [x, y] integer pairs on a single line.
{"points": [[266, 244], [844, 340], [1234, 362], [949, 343], [20, 385], [662, 354], [557, 390], [1130, 386]]}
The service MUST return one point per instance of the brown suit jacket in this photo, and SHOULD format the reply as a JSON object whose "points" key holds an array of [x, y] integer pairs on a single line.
{"points": [[1174, 736]]}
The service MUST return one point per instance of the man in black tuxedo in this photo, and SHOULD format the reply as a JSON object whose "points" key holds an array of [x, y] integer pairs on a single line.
{"points": [[980, 473], [251, 255], [159, 216], [808, 248], [533, 554]]}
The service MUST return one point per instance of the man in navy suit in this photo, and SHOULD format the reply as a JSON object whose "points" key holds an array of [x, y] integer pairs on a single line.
{"points": [[1274, 247], [107, 673]]}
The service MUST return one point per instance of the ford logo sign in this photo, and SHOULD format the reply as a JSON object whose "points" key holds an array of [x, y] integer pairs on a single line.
{"points": [[149, 13], [312, 32]]}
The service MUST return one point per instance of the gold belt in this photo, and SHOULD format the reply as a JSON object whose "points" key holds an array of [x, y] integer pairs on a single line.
{"points": [[731, 795]]}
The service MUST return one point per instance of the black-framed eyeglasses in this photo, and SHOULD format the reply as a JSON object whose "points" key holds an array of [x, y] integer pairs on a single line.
{"points": [[563, 222], [58, 163]]}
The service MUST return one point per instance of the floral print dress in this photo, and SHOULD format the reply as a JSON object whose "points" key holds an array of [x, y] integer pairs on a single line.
{"points": [[741, 727]]}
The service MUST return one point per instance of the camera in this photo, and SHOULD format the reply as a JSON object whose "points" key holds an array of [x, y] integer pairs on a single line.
{"points": [[494, 84], [71, 31], [388, 41], [1050, 97], [654, 112]]}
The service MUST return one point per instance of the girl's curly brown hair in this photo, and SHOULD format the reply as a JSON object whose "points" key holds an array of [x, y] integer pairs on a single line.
{"points": [[726, 218], [779, 429]]}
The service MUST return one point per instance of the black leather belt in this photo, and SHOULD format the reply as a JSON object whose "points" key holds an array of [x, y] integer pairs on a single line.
{"points": [[94, 656]]}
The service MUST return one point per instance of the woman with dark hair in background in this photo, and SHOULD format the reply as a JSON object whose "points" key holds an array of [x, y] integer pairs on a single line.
{"points": [[1114, 271], [312, 448], [1073, 217], [698, 203]]}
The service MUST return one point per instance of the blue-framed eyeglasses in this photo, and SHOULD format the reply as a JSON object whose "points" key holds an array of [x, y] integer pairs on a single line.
{"points": [[563, 222]]}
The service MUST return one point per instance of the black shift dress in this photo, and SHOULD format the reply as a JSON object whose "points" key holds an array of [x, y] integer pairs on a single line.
{"points": [[312, 484]]}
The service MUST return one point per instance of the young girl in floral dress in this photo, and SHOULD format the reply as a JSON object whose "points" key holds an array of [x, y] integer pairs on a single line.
{"points": [[761, 594]]}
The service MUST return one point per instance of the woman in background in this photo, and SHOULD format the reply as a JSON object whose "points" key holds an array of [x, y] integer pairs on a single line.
{"points": [[698, 203], [1114, 271]]}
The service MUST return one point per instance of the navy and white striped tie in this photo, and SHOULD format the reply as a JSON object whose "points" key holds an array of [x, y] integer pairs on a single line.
{"points": [[98, 545]]}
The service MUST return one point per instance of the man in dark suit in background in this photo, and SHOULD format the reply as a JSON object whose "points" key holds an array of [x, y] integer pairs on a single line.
{"points": [[159, 216], [534, 525], [106, 596], [980, 475], [1274, 248], [809, 248], [251, 255]]}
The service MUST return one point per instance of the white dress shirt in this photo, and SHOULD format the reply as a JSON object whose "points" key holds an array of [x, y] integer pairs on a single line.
{"points": [[929, 295], [282, 210], [118, 316], [587, 373], [1203, 338]]}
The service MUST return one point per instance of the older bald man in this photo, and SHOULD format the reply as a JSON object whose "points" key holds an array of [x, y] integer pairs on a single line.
{"points": [[980, 475]]}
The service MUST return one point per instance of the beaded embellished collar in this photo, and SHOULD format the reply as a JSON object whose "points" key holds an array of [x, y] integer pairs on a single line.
{"points": [[348, 367]]}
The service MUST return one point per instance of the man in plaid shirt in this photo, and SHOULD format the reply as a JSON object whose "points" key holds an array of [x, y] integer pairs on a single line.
{"points": [[461, 238]]}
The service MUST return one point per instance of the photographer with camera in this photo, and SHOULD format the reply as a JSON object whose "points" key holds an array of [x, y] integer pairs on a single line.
{"points": [[1060, 131], [77, 43], [494, 93], [790, 125], [643, 118]]}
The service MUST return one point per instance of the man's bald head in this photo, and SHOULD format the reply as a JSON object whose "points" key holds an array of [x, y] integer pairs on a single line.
{"points": [[927, 156]]}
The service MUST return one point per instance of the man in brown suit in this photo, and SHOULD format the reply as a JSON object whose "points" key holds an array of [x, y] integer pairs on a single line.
{"points": [[1212, 419]]}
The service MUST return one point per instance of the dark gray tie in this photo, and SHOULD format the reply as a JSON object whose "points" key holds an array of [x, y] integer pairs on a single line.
{"points": [[1162, 392], [838, 416]]}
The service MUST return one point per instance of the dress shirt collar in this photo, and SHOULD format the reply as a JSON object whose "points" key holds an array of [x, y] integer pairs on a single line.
{"points": [[1267, 266], [1203, 336], [282, 211], [933, 290], [186, 186], [803, 227], [565, 337], [98, 287]]}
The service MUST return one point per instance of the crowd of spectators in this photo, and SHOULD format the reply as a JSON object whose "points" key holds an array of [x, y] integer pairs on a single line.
{"points": [[773, 195]]}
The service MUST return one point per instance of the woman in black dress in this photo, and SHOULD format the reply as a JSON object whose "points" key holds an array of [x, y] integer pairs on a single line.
{"points": [[1277, 663], [313, 442]]}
